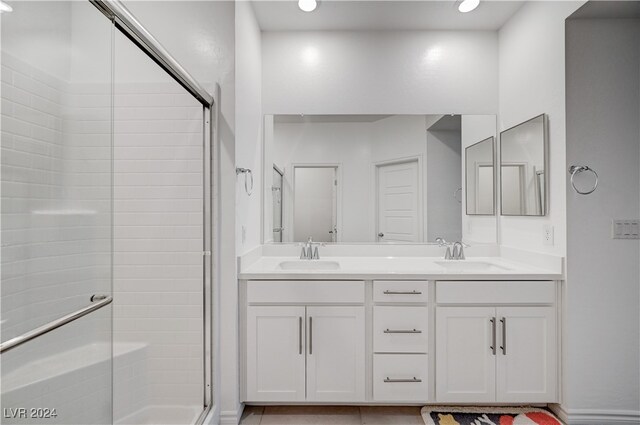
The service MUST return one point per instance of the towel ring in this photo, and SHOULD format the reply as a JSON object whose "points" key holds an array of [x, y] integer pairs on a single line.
{"points": [[577, 169], [455, 195], [246, 171]]}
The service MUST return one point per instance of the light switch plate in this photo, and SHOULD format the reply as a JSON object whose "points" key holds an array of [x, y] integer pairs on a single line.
{"points": [[625, 228]]}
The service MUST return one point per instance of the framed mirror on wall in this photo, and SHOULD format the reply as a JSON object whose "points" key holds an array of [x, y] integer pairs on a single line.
{"points": [[373, 178], [480, 178], [523, 168]]}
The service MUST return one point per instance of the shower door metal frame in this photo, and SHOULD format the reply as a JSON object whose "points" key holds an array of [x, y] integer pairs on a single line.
{"points": [[124, 21]]}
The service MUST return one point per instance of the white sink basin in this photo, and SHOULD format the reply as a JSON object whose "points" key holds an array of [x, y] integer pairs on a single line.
{"points": [[308, 265], [470, 266]]}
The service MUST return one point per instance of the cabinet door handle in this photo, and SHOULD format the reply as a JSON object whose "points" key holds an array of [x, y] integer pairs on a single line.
{"points": [[299, 335], [493, 335], [391, 380], [504, 335], [310, 335], [414, 292], [402, 331]]}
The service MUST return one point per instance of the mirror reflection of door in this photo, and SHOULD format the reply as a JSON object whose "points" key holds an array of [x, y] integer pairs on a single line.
{"points": [[277, 204], [315, 203], [398, 202], [513, 190], [484, 189]]}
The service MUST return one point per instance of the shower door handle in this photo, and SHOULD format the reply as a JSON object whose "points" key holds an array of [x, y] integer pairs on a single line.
{"points": [[97, 302]]}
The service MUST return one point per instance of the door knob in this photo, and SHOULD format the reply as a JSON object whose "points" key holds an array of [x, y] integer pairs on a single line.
{"points": [[381, 235]]}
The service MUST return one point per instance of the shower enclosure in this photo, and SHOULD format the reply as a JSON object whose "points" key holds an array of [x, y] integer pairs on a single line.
{"points": [[106, 222]]}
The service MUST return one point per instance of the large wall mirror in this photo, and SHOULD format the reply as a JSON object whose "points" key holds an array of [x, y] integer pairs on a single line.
{"points": [[373, 178], [523, 168]]}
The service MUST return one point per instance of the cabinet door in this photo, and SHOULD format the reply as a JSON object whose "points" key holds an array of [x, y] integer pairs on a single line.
{"points": [[527, 355], [275, 354], [335, 354], [465, 363]]}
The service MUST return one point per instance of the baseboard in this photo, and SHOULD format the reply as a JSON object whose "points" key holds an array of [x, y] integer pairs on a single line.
{"points": [[596, 417], [213, 417], [231, 417]]}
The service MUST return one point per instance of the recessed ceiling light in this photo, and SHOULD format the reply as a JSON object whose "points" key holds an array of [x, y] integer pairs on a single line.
{"points": [[468, 5], [307, 5], [4, 7]]}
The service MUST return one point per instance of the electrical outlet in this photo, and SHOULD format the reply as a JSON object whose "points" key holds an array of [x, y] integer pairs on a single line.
{"points": [[547, 235], [625, 229], [244, 234]]}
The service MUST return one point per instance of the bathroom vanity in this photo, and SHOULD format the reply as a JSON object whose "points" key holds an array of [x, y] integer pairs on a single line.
{"points": [[399, 330], [392, 319]]}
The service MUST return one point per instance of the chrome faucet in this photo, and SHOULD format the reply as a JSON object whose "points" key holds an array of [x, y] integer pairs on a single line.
{"points": [[458, 249], [310, 250], [443, 242]]}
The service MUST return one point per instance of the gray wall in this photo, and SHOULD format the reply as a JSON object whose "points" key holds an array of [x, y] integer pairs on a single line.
{"points": [[602, 363], [444, 177]]}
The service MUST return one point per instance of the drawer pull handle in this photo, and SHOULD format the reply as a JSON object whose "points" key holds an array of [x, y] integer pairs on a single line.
{"points": [[402, 331], [414, 292], [504, 335], [390, 380], [493, 335], [299, 335]]}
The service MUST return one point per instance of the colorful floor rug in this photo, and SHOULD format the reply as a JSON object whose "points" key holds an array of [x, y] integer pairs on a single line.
{"points": [[468, 415]]}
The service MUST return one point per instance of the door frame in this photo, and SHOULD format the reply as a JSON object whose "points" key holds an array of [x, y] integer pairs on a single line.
{"points": [[522, 166], [476, 168], [291, 218], [373, 226], [281, 172]]}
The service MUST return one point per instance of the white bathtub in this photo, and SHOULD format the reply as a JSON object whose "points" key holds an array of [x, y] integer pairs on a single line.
{"points": [[77, 383]]}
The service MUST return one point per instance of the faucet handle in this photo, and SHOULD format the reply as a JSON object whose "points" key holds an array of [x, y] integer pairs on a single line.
{"points": [[447, 255], [303, 253]]}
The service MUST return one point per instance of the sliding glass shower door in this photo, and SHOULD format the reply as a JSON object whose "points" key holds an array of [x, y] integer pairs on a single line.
{"points": [[56, 225]]}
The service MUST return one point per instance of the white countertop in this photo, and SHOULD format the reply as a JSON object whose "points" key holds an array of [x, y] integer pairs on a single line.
{"points": [[400, 267]]}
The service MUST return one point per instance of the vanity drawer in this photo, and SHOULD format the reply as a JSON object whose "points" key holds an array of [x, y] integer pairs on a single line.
{"points": [[400, 329], [400, 377], [400, 291], [495, 292], [305, 292]]}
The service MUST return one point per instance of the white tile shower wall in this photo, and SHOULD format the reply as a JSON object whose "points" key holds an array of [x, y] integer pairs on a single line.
{"points": [[158, 238], [55, 227]]}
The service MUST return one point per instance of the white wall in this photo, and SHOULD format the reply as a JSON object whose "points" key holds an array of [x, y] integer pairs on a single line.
{"points": [[532, 82], [386, 72], [602, 310], [249, 125]]}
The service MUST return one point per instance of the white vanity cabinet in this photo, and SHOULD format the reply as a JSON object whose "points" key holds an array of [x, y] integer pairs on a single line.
{"points": [[400, 341], [502, 352], [305, 352]]}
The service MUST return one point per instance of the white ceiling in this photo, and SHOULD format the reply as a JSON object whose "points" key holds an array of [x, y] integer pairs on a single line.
{"points": [[346, 15]]}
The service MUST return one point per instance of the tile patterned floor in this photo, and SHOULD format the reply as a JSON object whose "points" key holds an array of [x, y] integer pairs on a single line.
{"points": [[331, 415]]}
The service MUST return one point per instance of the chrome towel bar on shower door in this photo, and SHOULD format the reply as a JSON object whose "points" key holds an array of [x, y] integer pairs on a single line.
{"points": [[97, 302]]}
